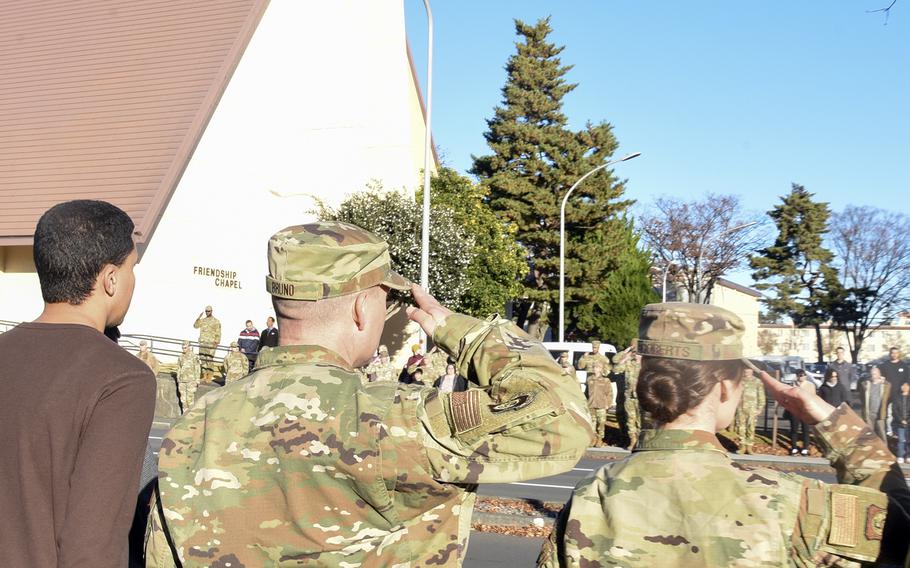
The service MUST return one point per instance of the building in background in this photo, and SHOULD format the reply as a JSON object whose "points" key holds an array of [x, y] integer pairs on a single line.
{"points": [[212, 123], [784, 339]]}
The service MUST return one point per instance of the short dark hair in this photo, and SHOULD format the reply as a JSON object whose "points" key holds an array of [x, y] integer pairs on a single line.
{"points": [[73, 242], [668, 388]]}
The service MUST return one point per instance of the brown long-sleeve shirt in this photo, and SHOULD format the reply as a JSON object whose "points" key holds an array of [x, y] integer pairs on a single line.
{"points": [[75, 412]]}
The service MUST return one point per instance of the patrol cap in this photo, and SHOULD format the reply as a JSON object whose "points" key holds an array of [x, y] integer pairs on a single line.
{"points": [[327, 259], [208, 308], [142, 343], [697, 332], [234, 344], [383, 349]]}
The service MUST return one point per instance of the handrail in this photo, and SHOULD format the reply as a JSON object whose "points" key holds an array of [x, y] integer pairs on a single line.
{"points": [[159, 345]]}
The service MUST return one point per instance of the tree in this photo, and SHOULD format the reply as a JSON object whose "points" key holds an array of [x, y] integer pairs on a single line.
{"points": [[613, 312], [394, 217], [767, 341], [797, 267], [700, 240], [873, 249], [497, 261], [535, 159]]}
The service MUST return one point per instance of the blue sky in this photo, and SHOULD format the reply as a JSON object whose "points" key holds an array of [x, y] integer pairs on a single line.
{"points": [[739, 98]]}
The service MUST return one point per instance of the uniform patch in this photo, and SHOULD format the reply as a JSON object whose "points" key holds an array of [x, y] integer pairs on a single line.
{"points": [[843, 520], [875, 522], [465, 410], [516, 403]]}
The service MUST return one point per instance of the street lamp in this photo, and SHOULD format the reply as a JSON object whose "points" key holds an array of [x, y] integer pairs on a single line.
{"points": [[427, 151], [562, 241], [701, 254]]}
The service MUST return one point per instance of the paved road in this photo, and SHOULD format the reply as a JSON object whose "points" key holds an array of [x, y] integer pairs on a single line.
{"points": [[488, 550]]}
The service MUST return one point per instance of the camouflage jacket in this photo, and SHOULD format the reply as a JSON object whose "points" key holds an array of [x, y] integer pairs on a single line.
{"points": [[630, 368], [713, 512], [301, 464], [188, 368], [586, 362], [236, 366], [753, 399], [149, 359], [383, 372], [209, 329]]}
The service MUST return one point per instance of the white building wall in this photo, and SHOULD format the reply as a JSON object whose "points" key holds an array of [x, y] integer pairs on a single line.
{"points": [[321, 103]]}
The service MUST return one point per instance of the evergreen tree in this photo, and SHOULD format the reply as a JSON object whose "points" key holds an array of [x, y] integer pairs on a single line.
{"points": [[535, 159], [497, 261], [797, 267]]}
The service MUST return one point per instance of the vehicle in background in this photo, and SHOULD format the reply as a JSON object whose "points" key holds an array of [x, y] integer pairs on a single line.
{"points": [[576, 349], [786, 367], [816, 372]]}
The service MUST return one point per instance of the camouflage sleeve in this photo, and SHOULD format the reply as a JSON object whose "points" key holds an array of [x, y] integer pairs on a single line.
{"points": [[217, 339], [857, 454], [762, 400], [197, 324], [522, 418]]}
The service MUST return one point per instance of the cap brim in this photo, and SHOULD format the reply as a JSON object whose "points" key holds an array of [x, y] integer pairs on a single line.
{"points": [[756, 365], [397, 282]]}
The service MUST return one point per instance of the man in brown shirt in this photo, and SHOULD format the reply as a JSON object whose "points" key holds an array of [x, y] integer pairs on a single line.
{"points": [[76, 408]]}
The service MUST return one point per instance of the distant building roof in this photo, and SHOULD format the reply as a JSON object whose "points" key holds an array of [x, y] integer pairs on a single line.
{"points": [[739, 287], [108, 99]]}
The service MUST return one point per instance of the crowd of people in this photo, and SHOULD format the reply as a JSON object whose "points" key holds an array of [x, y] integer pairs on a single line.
{"points": [[305, 462]]}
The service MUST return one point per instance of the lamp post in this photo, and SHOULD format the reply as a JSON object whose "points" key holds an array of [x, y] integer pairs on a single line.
{"points": [[562, 241], [427, 151], [701, 254]]}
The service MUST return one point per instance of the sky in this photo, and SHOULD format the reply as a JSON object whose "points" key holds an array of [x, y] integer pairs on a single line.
{"points": [[725, 98]]}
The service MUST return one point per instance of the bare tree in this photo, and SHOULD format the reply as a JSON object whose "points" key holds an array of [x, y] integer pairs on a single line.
{"points": [[701, 240], [873, 252]]}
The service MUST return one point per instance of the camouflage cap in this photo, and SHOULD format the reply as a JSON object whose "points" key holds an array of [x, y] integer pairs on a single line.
{"points": [[697, 332], [383, 349], [234, 344], [328, 259], [208, 308], [143, 343]]}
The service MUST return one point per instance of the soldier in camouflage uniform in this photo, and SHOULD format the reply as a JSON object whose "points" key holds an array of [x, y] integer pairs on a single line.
{"points": [[383, 370], [209, 335], [565, 364], [188, 370], [586, 362], [599, 391], [751, 405], [434, 364], [630, 365], [147, 357], [301, 464], [233, 369], [678, 500]]}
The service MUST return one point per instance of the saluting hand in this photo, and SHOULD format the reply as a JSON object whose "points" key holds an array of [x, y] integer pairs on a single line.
{"points": [[429, 312], [806, 406]]}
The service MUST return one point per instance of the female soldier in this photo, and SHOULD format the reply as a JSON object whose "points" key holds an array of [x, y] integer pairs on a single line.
{"points": [[678, 500]]}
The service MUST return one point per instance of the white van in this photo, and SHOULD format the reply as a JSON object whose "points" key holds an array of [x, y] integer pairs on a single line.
{"points": [[576, 349]]}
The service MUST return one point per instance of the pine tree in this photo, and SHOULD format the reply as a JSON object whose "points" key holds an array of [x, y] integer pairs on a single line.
{"points": [[797, 267], [535, 159]]}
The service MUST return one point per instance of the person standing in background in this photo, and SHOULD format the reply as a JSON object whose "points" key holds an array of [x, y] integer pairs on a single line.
{"points": [[895, 370], [76, 408], [146, 356], [832, 391], [846, 374], [876, 394], [800, 427], [188, 371], [249, 343], [269, 337], [900, 410], [209, 335], [451, 381], [599, 391], [236, 365], [750, 408]]}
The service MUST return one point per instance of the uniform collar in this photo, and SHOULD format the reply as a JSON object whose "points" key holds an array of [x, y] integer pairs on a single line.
{"points": [[300, 354], [678, 440]]}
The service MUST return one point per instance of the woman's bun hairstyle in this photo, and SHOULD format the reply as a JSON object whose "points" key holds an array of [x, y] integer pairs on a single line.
{"points": [[668, 388]]}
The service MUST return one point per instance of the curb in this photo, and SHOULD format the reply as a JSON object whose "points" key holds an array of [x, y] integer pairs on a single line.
{"points": [[502, 519]]}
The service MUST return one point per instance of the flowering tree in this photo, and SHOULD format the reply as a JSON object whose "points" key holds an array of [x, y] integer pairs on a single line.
{"points": [[396, 218]]}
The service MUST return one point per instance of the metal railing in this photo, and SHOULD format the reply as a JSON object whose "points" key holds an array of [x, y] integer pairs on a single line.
{"points": [[163, 346]]}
